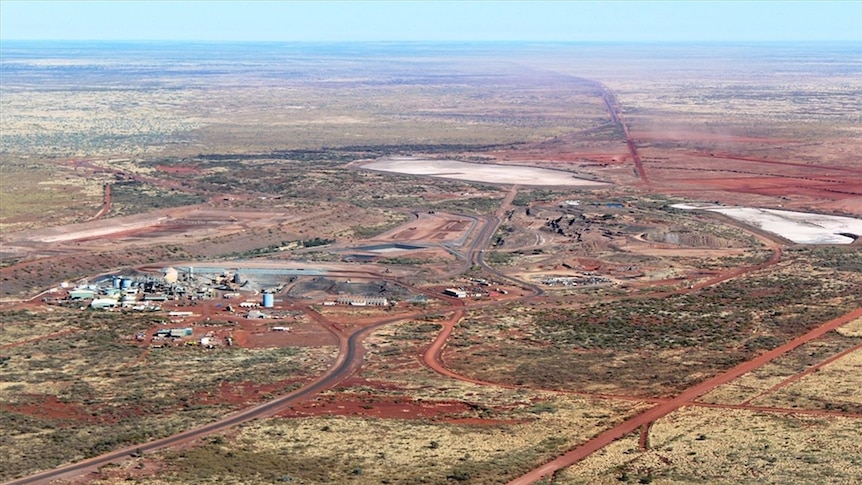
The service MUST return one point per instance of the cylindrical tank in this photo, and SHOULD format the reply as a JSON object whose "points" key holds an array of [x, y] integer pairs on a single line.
{"points": [[126, 283], [268, 300], [115, 281], [171, 275]]}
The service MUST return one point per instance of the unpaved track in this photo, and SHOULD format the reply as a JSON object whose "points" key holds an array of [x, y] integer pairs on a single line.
{"points": [[433, 356], [616, 114], [663, 409], [778, 162], [796, 377], [106, 204], [433, 359], [772, 409]]}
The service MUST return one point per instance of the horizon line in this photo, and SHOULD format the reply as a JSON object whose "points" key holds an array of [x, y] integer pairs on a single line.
{"points": [[452, 41]]}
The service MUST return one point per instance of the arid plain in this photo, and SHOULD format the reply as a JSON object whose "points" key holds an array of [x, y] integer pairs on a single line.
{"points": [[486, 263]]}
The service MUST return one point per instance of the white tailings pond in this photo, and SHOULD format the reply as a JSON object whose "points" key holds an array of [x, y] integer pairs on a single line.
{"points": [[799, 227], [480, 172]]}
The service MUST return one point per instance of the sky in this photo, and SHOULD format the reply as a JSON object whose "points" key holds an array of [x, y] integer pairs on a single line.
{"points": [[335, 21]]}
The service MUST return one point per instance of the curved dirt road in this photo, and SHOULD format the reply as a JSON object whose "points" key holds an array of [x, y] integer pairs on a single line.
{"points": [[348, 361], [339, 371]]}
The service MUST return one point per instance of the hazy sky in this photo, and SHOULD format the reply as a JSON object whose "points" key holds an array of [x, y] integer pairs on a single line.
{"points": [[435, 21]]}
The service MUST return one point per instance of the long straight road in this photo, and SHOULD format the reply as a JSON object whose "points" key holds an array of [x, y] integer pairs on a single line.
{"points": [[617, 118]]}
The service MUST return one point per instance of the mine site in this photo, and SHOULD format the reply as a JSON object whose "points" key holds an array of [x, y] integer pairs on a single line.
{"points": [[544, 265]]}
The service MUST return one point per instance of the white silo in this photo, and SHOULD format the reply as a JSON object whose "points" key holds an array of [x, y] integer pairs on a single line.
{"points": [[171, 275]]}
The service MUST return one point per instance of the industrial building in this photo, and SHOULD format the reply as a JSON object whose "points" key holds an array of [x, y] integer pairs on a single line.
{"points": [[82, 294], [102, 303], [362, 301]]}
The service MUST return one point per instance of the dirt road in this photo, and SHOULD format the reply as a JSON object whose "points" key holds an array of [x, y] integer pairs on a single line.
{"points": [[106, 204], [681, 400], [617, 117], [349, 360], [810, 370], [342, 369]]}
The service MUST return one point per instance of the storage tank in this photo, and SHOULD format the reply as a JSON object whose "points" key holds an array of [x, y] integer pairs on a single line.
{"points": [[115, 281], [126, 283], [268, 300], [171, 275]]}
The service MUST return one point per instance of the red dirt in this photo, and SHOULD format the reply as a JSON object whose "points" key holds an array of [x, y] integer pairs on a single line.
{"points": [[106, 203], [616, 115], [770, 409], [817, 168], [725, 176], [433, 356], [643, 441], [680, 135], [376, 406], [774, 186], [392, 407], [50, 408], [428, 227], [239, 394], [724, 276], [589, 264], [607, 437], [302, 335], [181, 169], [62, 414]]}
